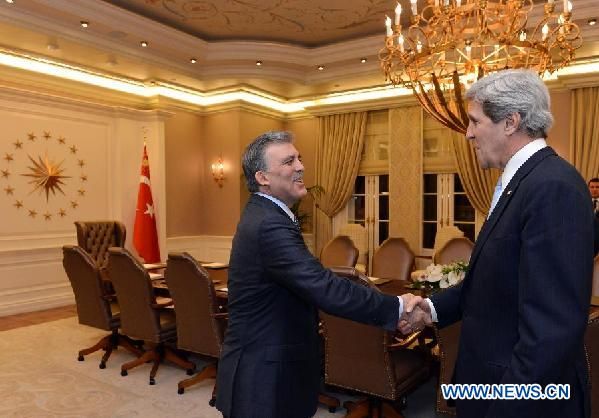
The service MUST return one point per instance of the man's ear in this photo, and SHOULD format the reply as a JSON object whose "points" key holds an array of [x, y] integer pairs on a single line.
{"points": [[512, 123], [261, 178]]}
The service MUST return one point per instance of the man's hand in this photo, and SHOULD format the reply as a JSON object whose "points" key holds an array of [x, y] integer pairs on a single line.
{"points": [[416, 314]]}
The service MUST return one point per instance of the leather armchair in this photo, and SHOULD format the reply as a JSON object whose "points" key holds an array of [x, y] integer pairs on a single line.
{"points": [[142, 317], [456, 249], [94, 307], [393, 260], [369, 360], [98, 236], [339, 252], [200, 323]]}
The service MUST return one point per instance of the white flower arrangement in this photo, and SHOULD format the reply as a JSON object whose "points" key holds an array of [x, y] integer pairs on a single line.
{"points": [[441, 276]]}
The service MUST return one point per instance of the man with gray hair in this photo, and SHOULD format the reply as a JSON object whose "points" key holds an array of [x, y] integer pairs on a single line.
{"points": [[270, 361], [524, 302]]}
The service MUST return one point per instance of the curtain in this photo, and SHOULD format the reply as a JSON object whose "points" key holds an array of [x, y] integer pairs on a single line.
{"points": [[340, 144], [584, 131], [478, 184]]}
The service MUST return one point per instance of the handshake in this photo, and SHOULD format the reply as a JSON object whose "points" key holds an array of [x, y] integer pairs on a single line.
{"points": [[416, 314]]}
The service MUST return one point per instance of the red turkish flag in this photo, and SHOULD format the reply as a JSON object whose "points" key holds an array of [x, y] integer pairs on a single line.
{"points": [[145, 238]]}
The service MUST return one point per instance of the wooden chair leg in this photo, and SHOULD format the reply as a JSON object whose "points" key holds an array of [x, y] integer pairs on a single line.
{"points": [[102, 344], [331, 402], [209, 372], [149, 355], [128, 344], [371, 408], [174, 357]]}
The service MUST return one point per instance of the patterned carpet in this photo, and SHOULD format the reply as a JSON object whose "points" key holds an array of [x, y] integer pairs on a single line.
{"points": [[41, 377]]}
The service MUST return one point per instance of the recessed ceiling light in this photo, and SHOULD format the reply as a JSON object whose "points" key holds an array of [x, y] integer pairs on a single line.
{"points": [[258, 63], [193, 60], [143, 44], [592, 21], [320, 67], [84, 23], [363, 60]]}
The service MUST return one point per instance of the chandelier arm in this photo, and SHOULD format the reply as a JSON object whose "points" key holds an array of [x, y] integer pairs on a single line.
{"points": [[457, 88], [430, 108], [441, 98]]}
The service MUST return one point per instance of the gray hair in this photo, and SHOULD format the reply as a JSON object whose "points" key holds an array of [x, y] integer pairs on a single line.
{"points": [[253, 159], [515, 91]]}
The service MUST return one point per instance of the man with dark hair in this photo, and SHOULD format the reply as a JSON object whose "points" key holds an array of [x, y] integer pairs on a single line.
{"points": [[270, 362], [524, 302], [594, 189]]}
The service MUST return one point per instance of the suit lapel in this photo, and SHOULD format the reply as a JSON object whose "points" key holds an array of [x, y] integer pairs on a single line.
{"points": [[267, 203], [506, 198]]}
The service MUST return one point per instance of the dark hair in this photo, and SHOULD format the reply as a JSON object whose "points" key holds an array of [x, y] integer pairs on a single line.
{"points": [[593, 180], [515, 91], [253, 157]]}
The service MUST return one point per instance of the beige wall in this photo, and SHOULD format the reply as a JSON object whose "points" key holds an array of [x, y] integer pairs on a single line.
{"points": [[184, 171], [559, 136]]}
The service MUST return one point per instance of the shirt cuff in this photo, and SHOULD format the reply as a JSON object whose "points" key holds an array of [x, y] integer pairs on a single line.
{"points": [[400, 306], [433, 311]]}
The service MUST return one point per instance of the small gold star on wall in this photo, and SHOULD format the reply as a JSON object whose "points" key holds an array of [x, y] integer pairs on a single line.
{"points": [[47, 175]]}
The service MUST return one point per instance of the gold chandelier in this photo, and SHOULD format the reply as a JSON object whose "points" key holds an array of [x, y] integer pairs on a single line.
{"points": [[449, 44]]}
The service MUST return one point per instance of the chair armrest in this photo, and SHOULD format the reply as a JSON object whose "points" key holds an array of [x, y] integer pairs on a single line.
{"points": [[163, 303], [404, 342]]}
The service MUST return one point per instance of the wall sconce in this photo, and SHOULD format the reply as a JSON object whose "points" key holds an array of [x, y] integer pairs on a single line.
{"points": [[218, 171]]}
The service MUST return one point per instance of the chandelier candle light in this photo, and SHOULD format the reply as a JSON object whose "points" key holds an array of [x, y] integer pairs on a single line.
{"points": [[449, 44]]}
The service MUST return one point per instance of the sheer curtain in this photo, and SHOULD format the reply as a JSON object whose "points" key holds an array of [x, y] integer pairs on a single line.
{"points": [[340, 143], [584, 131]]}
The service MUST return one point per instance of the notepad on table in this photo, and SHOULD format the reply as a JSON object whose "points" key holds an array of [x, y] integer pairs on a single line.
{"points": [[215, 265], [154, 266], [223, 289], [156, 276], [378, 280]]}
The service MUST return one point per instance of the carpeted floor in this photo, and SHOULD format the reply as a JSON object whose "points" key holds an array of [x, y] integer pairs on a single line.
{"points": [[41, 377]]}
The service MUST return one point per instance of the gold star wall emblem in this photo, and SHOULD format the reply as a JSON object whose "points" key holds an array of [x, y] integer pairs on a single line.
{"points": [[47, 176]]}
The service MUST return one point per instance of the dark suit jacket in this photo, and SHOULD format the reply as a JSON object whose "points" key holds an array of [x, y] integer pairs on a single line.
{"points": [[524, 302], [270, 363]]}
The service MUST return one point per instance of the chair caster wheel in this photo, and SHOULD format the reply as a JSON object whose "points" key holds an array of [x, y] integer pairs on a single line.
{"points": [[189, 372], [124, 373], [212, 402], [152, 381], [181, 391], [102, 365], [80, 358], [332, 409]]}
